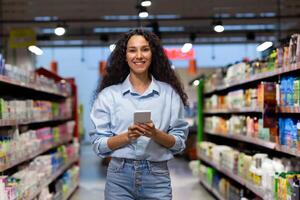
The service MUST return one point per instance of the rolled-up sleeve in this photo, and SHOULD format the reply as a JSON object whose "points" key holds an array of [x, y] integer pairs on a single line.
{"points": [[100, 116], [179, 126]]}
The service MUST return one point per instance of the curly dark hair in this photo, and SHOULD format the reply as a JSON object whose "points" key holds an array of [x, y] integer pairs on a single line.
{"points": [[117, 68]]}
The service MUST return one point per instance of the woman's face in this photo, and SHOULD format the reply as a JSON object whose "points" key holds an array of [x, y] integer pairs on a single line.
{"points": [[138, 54]]}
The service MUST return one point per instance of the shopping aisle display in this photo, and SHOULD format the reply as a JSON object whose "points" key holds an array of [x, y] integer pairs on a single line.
{"points": [[253, 104], [38, 121]]}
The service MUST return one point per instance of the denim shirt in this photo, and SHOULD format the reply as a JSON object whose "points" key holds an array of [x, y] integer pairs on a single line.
{"points": [[112, 114]]}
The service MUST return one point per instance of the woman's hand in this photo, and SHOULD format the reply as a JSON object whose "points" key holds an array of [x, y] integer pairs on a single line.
{"points": [[133, 133], [148, 129]]}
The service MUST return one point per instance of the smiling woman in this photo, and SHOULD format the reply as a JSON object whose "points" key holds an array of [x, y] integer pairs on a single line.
{"points": [[139, 77], [138, 56]]}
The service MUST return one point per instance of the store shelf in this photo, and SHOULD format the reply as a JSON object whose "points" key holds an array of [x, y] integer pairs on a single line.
{"points": [[70, 193], [280, 109], [288, 109], [14, 122], [229, 111], [41, 151], [35, 87], [288, 151], [255, 189], [256, 77], [252, 140], [212, 190], [259, 142], [47, 181]]}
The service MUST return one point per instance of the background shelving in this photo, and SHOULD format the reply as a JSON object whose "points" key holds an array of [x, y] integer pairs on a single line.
{"points": [[57, 125]]}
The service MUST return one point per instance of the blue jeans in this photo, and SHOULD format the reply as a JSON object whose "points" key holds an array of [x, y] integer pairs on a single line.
{"points": [[137, 180]]}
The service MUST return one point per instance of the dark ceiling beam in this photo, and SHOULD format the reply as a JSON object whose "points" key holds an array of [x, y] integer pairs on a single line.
{"points": [[173, 19]]}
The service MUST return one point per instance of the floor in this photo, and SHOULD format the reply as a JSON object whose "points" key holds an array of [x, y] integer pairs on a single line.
{"points": [[92, 179]]}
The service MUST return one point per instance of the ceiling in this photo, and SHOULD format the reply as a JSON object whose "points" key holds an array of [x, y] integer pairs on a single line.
{"points": [[178, 21]]}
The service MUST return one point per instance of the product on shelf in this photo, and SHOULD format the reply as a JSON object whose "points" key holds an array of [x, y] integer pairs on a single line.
{"points": [[258, 170], [28, 181]]}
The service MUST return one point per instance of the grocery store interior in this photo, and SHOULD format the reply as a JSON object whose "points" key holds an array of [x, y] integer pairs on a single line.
{"points": [[239, 63]]}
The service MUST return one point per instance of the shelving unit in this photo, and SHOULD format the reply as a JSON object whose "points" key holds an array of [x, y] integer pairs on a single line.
{"points": [[212, 190], [41, 151], [31, 195], [255, 78], [70, 193], [31, 86], [35, 91], [245, 82], [256, 190], [256, 141]]}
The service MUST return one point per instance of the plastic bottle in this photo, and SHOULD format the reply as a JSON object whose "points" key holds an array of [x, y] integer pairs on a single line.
{"points": [[3, 195]]}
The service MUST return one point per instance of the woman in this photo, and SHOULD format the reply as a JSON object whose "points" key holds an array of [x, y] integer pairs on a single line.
{"points": [[139, 77]]}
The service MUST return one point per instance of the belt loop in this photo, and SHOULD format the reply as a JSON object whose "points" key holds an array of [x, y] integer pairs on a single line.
{"points": [[148, 164], [123, 163]]}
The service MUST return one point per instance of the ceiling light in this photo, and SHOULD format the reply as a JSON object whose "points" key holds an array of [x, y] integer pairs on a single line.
{"points": [[264, 46], [143, 14], [146, 3], [186, 47], [60, 30], [112, 47], [218, 26], [36, 50], [142, 11], [196, 82]]}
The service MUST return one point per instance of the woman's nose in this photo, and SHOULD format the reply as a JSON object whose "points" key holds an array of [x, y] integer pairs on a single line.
{"points": [[139, 54]]}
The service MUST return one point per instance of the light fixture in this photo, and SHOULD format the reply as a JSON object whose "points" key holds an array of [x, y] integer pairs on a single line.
{"points": [[143, 14], [112, 47], [60, 30], [186, 47], [264, 46], [218, 26], [196, 82], [142, 11], [36, 50], [146, 3]]}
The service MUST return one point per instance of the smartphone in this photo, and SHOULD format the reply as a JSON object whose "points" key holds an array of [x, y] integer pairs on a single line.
{"points": [[142, 116]]}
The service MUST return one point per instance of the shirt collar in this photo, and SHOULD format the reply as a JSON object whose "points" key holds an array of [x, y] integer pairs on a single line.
{"points": [[127, 87]]}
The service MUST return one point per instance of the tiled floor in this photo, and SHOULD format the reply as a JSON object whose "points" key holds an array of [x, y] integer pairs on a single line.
{"points": [[92, 179]]}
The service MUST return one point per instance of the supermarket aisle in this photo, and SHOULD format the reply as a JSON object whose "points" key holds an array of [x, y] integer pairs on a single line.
{"points": [[92, 179]]}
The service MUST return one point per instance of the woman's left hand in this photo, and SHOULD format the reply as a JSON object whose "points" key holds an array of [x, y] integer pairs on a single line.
{"points": [[148, 129]]}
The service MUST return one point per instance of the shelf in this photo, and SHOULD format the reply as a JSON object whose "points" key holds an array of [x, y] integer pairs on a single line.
{"points": [[43, 150], [255, 189], [288, 151], [256, 77], [212, 190], [252, 140], [31, 86], [70, 193], [288, 109], [259, 142], [14, 122], [48, 180], [229, 111], [280, 109]]}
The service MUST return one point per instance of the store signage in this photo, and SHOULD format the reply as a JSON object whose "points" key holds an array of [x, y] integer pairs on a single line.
{"points": [[177, 54], [22, 37]]}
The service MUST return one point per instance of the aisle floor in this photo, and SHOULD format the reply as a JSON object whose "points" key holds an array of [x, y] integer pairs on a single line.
{"points": [[92, 179]]}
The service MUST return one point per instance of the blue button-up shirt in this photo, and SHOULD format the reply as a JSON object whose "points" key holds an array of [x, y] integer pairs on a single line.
{"points": [[112, 114]]}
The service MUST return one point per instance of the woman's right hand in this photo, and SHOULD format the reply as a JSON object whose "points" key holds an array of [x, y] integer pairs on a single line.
{"points": [[133, 133]]}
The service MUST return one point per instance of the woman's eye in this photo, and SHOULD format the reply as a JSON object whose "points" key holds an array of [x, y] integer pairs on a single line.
{"points": [[131, 50], [146, 49]]}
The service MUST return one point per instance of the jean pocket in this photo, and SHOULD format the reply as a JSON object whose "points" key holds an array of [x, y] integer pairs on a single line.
{"points": [[115, 165], [159, 168]]}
